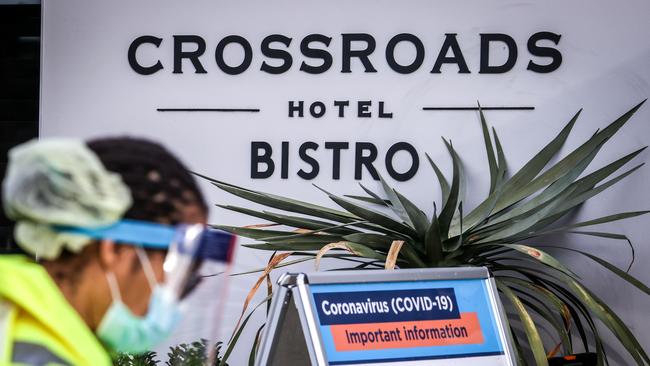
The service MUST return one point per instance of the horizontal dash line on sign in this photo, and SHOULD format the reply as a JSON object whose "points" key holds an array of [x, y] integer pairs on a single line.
{"points": [[251, 110], [525, 108]]}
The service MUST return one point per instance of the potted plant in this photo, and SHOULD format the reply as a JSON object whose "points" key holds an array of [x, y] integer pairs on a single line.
{"points": [[385, 229]]}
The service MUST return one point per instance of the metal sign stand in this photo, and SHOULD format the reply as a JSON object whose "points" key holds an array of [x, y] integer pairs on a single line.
{"points": [[293, 332]]}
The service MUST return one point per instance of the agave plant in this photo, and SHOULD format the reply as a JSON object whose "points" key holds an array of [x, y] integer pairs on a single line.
{"points": [[385, 229]]}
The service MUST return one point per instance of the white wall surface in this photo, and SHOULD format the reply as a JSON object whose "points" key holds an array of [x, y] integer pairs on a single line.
{"points": [[89, 90]]}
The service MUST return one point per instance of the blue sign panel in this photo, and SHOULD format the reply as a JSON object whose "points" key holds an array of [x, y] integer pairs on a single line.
{"points": [[414, 323]]}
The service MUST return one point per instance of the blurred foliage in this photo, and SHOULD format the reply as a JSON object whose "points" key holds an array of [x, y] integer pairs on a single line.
{"points": [[193, 354]]}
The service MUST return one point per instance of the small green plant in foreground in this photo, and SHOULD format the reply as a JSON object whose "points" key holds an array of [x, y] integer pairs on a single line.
{"points": [[385, 229], [193, 354]]}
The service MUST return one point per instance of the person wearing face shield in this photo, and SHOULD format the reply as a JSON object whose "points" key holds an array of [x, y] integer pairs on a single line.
{"points": [[106, 228]]}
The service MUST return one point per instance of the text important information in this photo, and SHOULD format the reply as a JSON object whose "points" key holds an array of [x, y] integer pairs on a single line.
{"points": [[406, 321]]}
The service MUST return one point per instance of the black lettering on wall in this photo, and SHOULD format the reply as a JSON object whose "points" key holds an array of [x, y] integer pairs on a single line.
{"points": [[363, 109], [193, 56], [419, 53], [258, 158], [341, 104], [246, 62], [315, 168], [293, 108], [132, 55], [361, 54], [336, 148], [383, 113], [284, 168], [362, 160], [550, 52], [511, 45], [317, 109], [415, 161], [316, 53], [450, 43], [276, 53]]}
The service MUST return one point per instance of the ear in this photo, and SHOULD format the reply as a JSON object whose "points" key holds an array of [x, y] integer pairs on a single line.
{"points": [[108, 256]]}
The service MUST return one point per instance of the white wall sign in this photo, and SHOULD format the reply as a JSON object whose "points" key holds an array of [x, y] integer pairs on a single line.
{"points": [[280, 94]]}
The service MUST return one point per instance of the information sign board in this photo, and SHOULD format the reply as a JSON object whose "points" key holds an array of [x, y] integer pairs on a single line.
{"points": [[406, 317]]}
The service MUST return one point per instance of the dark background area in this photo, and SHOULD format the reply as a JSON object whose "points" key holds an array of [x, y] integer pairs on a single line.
{"points": [[20, 30]]}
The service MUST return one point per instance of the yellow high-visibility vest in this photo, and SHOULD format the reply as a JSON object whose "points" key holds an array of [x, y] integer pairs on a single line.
{"points": [[37, 324]]}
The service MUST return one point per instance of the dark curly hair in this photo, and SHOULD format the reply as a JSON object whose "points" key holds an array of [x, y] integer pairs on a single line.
{"points": [[158, 181]]}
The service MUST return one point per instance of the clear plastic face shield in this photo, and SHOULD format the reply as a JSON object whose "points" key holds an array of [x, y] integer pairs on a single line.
{"points": [[196, 268], [197, 251]]}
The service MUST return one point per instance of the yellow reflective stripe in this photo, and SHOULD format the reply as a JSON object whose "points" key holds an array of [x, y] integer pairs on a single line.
{"points": [[42, 315], [5, 342]]}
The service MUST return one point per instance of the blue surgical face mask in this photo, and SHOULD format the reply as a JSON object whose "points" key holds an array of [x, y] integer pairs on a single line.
{"points": [[123, 331], [188, 247]]}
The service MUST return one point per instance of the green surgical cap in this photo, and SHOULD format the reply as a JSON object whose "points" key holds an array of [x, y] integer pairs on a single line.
{"points": [[59, 182]]}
